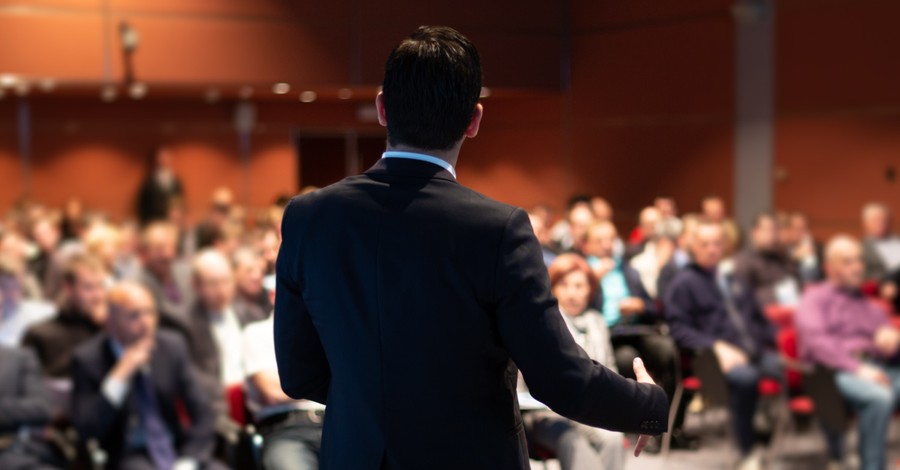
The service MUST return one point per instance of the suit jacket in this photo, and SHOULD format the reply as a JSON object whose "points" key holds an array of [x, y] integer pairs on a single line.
{"points": [[174, 381], [56, 339], [23, 401], [204, 353], [153, 199], [405, 301], [182, 277]]}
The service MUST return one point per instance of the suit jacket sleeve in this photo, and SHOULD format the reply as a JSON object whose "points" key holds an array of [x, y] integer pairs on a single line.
{"points": [[302, 365], [30, 406], [93, 416], [557, 371]]}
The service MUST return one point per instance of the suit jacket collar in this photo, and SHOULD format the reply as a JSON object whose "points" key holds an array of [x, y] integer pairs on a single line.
{"points": [[408, 168]]}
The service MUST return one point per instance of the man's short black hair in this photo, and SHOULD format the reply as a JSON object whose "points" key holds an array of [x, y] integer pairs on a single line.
{"points": [[432, 82]]}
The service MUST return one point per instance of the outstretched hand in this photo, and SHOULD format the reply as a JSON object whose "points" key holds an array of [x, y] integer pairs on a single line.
{"points": [[643, 377]]}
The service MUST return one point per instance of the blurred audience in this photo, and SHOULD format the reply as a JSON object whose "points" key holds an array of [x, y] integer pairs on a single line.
{"points": [[291, 429], [840, 328], [802, 248], [80, 317], [765, 266], [24, 411], [881, 246], [707, 310], [168, 277], [17, 311], [127, 384], [577, 446]]}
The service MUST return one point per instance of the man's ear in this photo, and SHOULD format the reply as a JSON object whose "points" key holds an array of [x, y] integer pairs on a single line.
{"points": [[472, 130], [379, 107]]}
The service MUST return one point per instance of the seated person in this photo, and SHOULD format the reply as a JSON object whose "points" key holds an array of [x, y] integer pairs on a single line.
{"points": [[881, 246], [708, 311], [80, 318], [17, 313], [766, 267], [577, 446], [213, 330], [797, 239], [841, 329], [249, 271], [24, 411], [291, 429], [628, 310], [127, 382], [167, 276]]}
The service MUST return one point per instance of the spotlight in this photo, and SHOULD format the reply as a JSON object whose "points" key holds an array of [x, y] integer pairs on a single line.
{"points": [[8, 80], [109, 93], [137, 90], [485, 92], [345, 93], [308, 96], [281, 88]]}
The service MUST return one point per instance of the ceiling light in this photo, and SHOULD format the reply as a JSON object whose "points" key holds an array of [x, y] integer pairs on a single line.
{"points": [[246, 92], [212, 95], [109, 93], [137, 90], [7, 80], [308, 96], [485, 92], [47, 85], [281, 88], [22, 88], [345, 93]]}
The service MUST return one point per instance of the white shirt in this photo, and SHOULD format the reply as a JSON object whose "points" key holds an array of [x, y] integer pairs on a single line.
{"points": [[422, 158], [228, 336]]}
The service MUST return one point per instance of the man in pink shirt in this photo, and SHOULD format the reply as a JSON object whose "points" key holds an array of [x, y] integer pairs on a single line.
{"points": [[841, 329]]}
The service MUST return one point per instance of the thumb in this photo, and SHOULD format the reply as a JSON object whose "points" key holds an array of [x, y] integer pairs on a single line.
{"points": [[641, 373]]}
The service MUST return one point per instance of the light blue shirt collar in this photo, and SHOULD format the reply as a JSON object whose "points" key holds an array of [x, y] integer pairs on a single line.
{"points": [[421, 157]]}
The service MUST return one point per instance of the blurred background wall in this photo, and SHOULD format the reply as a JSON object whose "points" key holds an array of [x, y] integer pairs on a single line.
{"points": [[628, 100]]}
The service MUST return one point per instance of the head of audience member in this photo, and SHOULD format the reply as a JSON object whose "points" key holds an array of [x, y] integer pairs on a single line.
{"points": [[249, 271], [648, 221], [573, 283], [580, 218], [876, 220], [733, 236], [268, 244], [600, 239], [764, 235], [843, 262], [132, 313], [11, 289], [713, 208], [73, 216], [84, 287], [213, 280], [159, 248], [666, 207], [799, 225], [541, 232], [45, 234], [104, 242], [708, 244], [432, 85], [544, 212], [601, 208], [787, 238], [13, 245], [161, 159]]}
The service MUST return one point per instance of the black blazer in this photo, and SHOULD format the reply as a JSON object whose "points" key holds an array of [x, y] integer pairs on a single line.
{"points": [[405, 301], [23, 401], [175, 382]]}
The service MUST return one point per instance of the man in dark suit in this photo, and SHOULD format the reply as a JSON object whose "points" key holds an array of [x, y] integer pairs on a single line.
{"points": [[213, 329], [24, 411], [160, 187], [406, 301], [127, 383], [78, 320]]}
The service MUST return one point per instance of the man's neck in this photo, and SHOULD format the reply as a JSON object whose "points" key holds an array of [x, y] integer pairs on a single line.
{"points": [[449, 156]]}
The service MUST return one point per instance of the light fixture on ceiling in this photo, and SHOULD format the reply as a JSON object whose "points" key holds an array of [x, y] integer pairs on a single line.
{"points": [[246, 92], [137, 90], [47, 85], [345, 93], [308, 96], [212, 95], [485, 92], [22, 88], [109, 93], [281, 88], [8, 80]]}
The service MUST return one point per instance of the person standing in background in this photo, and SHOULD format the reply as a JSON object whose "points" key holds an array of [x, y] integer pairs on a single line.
{"points": [[159, 188]]}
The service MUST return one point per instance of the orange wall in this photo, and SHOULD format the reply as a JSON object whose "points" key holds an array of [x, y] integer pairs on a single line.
{"points": [[838, 122], [652, 102]]}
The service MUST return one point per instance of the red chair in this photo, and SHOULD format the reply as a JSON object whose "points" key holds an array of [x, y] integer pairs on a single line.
{"points": [[237, 404], [780, 315]]}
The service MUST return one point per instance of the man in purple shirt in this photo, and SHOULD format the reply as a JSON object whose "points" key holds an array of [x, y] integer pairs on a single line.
{"points": [[841, 329]]}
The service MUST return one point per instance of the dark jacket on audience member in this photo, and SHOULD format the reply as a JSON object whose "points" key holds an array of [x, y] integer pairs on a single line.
{"points": [[405, 302], [22, 398], [174, 381], [204, 353], [56, 339], [697, 315], [762, 271]]}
